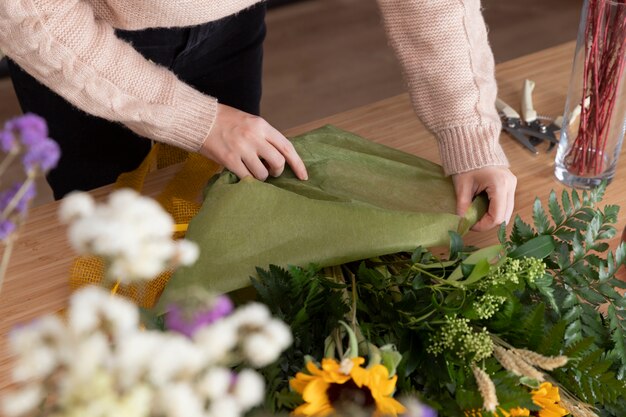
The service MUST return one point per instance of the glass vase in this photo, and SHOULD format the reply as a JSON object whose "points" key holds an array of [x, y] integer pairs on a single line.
{"points": [[594, 121]]}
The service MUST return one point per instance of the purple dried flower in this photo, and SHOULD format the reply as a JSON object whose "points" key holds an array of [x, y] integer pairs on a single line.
{"points": [[178, 321], [44, 155], [6, 228], [415, 408], [7, 195], [30, 126], [31, 130], [8, 143]]}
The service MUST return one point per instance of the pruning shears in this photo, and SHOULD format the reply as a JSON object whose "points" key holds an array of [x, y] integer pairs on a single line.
{"points": [[528, 129]]}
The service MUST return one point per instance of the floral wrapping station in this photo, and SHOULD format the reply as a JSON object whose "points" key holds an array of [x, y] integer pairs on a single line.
{"points": [[350, 294], [531, 326]]}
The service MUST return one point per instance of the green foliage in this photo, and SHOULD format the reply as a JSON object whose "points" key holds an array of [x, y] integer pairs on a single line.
{"points": [[312, 305], [540, 289]]}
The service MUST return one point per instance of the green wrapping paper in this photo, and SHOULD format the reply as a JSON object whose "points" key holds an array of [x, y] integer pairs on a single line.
{"points": [[362, 200]]}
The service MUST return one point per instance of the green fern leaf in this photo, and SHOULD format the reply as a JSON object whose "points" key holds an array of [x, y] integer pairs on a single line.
{"points": [[540, 219], [558, 217], [566, 202], [521, 232], [618, 334], [552, 343]]}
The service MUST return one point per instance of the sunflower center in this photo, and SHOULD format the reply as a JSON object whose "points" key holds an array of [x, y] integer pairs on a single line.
{"points": [[350, 393]]}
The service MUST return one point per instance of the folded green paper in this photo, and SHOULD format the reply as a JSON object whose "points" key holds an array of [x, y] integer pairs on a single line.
{"points": [[362, 200]]}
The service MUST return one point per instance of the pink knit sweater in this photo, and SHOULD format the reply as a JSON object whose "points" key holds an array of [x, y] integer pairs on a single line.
{"points": [[70, 46]]}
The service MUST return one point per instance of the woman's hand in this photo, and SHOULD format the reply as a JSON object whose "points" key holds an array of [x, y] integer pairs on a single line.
{"points": [[498, 182], [249, 146]]}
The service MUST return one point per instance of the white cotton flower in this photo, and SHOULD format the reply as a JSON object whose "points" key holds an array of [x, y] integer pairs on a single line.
{"points": [[22, 402], [35, 364], [253, 315], [137, 403], [260, 350], [76, 205], [177, 357], [215, 383], [217, 340], [92, 308], [249, 389], [134, 356], [188, 252], [179, 400], [48, 330], [91, 354], [133, 233], [279, 332], [38, 347], [225, 407]]}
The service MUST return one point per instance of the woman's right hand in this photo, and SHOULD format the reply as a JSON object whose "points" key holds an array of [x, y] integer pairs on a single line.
{"points": [[249, 146]]}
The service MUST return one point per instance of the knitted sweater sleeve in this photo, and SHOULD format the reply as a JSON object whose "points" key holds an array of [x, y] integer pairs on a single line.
{"points": [[64, 46], [443, 49]]}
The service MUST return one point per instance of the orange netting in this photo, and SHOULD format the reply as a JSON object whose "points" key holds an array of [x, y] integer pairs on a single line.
{"points": [[180, 198]]}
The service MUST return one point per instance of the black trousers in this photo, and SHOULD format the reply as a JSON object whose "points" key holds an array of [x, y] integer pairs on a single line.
{"points": [[221, 58]]}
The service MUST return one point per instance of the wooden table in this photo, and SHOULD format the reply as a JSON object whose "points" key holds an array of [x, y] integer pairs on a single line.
{"points": [[37, 280]]}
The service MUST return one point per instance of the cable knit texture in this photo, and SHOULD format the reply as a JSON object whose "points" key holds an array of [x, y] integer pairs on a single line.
{"points": [[70, 46], [443, 48]]}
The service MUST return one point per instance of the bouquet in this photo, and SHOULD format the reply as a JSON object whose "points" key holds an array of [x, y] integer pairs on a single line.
{"points": [[531, 326]]}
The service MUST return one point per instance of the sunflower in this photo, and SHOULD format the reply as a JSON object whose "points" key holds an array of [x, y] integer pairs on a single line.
{"points": [[546, 396], [325, 388]]}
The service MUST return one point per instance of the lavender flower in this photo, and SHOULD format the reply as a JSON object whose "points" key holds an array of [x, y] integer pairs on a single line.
{"points": [[43, 155], [178, 321], [6, 228], [30, 126], [31, 130], [415, 408], [7, 195], [8, 142]]}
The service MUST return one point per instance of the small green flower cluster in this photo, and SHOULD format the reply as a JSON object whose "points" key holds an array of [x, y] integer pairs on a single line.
{"points": [[457, 336], [512, 270], [487, 305]]}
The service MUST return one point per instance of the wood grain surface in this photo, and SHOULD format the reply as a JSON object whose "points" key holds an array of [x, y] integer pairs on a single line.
{"points": [[37, 281]]}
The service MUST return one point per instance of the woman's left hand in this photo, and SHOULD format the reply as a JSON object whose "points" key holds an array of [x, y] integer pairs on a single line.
{"points": [[498, 182]]}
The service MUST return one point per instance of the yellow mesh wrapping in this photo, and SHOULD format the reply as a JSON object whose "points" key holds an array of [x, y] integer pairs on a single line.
{"points": [[180, 198]]}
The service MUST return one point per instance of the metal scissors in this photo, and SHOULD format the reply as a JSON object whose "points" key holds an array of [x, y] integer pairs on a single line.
{"points": [[528, 129]]}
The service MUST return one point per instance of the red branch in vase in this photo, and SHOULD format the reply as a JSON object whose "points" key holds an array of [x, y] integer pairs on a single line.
{"points": [[605, 48]]}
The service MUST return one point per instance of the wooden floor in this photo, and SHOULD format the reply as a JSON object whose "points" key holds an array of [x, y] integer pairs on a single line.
{"points": [[326, 56]]}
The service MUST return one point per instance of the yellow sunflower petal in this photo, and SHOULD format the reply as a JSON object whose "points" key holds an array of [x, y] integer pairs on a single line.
{"points": [[315, 392], [360, 376], [358, 361], [519, 412], [330, 365], [310, 410], [547, 397], [300, 382], [389, 407], [313, 369]]}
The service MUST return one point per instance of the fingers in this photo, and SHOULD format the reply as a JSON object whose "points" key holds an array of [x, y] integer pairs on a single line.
{"points": [[464, 196], [239, 169], [248, 145], [496, 213], [285, 147], [510, 203], [274, 160], [499, 183], [255, 166]]}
